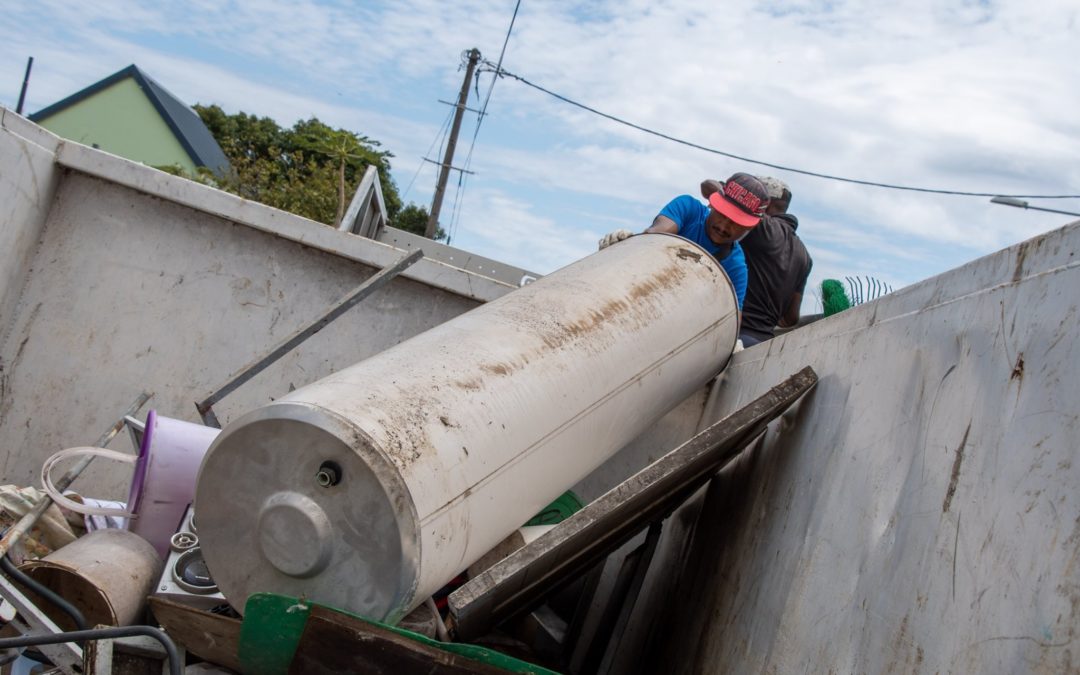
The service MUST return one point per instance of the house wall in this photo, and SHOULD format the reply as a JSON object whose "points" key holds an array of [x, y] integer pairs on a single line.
{"points": [[120, 119], [918, 510]]}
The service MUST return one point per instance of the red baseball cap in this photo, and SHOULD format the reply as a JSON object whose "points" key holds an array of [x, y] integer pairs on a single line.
{"points": [[743, 198]]}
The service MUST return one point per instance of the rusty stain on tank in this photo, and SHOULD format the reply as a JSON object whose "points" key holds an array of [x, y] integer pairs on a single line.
{"points": [[469, 385], [686, 254], [634, 306], [418, 411], [496, 368]]}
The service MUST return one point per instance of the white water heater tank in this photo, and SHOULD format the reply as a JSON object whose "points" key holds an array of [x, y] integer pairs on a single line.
{"points": [[371, 488]]}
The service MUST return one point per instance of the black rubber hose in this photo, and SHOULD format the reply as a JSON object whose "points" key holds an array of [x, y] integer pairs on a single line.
{"points": [[9, 655], [175, 667], [44, 591]]}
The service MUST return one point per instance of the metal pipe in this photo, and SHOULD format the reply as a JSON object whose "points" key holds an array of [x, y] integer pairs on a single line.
{"points": [[25, 84], [374, 283], [173, 655]]}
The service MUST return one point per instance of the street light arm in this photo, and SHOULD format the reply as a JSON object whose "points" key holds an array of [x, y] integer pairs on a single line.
{"points": [[1010, 201], [1021, 204]]}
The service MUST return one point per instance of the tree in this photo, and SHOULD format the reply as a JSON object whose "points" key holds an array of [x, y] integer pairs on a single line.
{"points": [[414, 219], [311, 169]]}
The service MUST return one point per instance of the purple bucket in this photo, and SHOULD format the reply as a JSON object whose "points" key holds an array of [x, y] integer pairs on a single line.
{"points": [[164, 482]]}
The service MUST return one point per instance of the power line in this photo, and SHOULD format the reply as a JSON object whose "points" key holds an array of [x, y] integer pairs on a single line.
{"points": [[499, 72], [456, 213], [498, 67], [440, 134]]}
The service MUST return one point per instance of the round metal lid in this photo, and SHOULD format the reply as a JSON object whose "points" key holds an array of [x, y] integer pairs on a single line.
{"points": [[293, 499]]}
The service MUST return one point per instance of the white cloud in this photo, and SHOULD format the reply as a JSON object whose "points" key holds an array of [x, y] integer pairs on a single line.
{"points": [[509, 230], [968, 96]]}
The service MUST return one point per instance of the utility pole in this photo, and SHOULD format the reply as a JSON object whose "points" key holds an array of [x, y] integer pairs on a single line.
{"points": [[25, 82], [448, 158]]}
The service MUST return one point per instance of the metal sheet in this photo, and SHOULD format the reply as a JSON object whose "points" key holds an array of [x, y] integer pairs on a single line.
{"points": [[131, 293], [924, 513]]}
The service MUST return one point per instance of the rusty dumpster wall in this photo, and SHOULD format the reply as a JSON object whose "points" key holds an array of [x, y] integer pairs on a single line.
{"points": [[920, 510]]}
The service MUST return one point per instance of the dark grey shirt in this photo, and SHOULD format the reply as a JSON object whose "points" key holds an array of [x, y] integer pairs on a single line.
{"points": [[778, 265]]}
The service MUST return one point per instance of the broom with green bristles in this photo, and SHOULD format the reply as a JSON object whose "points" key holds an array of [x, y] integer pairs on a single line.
{"points": [[833, 297]]}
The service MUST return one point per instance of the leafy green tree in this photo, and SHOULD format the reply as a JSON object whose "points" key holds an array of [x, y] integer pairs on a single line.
{"points": [[414, 219], [311, 169]]}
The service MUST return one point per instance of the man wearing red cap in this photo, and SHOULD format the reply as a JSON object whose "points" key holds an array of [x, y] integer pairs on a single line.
{"points": [[733, 211], [778, 265]]}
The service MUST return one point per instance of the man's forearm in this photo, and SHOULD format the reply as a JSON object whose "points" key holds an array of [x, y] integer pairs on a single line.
{"points": [[664, 225], [790, 317]]}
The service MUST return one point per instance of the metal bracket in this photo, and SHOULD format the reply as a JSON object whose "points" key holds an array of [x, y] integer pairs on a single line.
{"points": [[383, 277]]}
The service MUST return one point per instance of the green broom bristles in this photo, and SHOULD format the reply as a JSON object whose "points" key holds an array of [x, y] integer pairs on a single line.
{"points": [[833, 297]]}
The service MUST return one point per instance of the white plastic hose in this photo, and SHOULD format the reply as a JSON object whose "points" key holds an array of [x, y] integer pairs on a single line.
{"points": [[70, 504]]}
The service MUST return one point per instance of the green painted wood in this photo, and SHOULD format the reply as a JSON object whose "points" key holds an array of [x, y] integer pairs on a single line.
{"points": [[273, 625], [270, 632]]}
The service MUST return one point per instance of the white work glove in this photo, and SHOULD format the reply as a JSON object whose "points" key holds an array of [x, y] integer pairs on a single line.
{"points": [[614, 238], [738, 347]]}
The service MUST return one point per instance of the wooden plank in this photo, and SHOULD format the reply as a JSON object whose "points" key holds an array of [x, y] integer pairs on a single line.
{"points": [[333, 643], [212, 637], [522, 580], [274, 625]]}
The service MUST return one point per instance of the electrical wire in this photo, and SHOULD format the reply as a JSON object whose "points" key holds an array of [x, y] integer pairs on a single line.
{"points": [[440, 135], [498, 67], [499, 72], [456, 213]]}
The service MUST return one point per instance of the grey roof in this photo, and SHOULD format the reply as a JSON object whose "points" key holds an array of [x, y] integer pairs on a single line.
{"points": [[184, 122]]}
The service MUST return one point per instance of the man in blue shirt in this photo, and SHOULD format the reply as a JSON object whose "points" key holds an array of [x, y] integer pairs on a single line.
{"points": [[778, 265], [731, 214]]}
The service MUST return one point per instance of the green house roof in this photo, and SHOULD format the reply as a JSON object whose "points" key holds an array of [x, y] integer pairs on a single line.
{"points": [[189, 131]]}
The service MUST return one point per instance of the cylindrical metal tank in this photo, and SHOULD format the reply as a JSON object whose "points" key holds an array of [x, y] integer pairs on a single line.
{"points": [[371, 488]]}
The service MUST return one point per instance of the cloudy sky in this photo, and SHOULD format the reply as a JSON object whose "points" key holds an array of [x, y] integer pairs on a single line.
{"points": [[978, 96]]}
